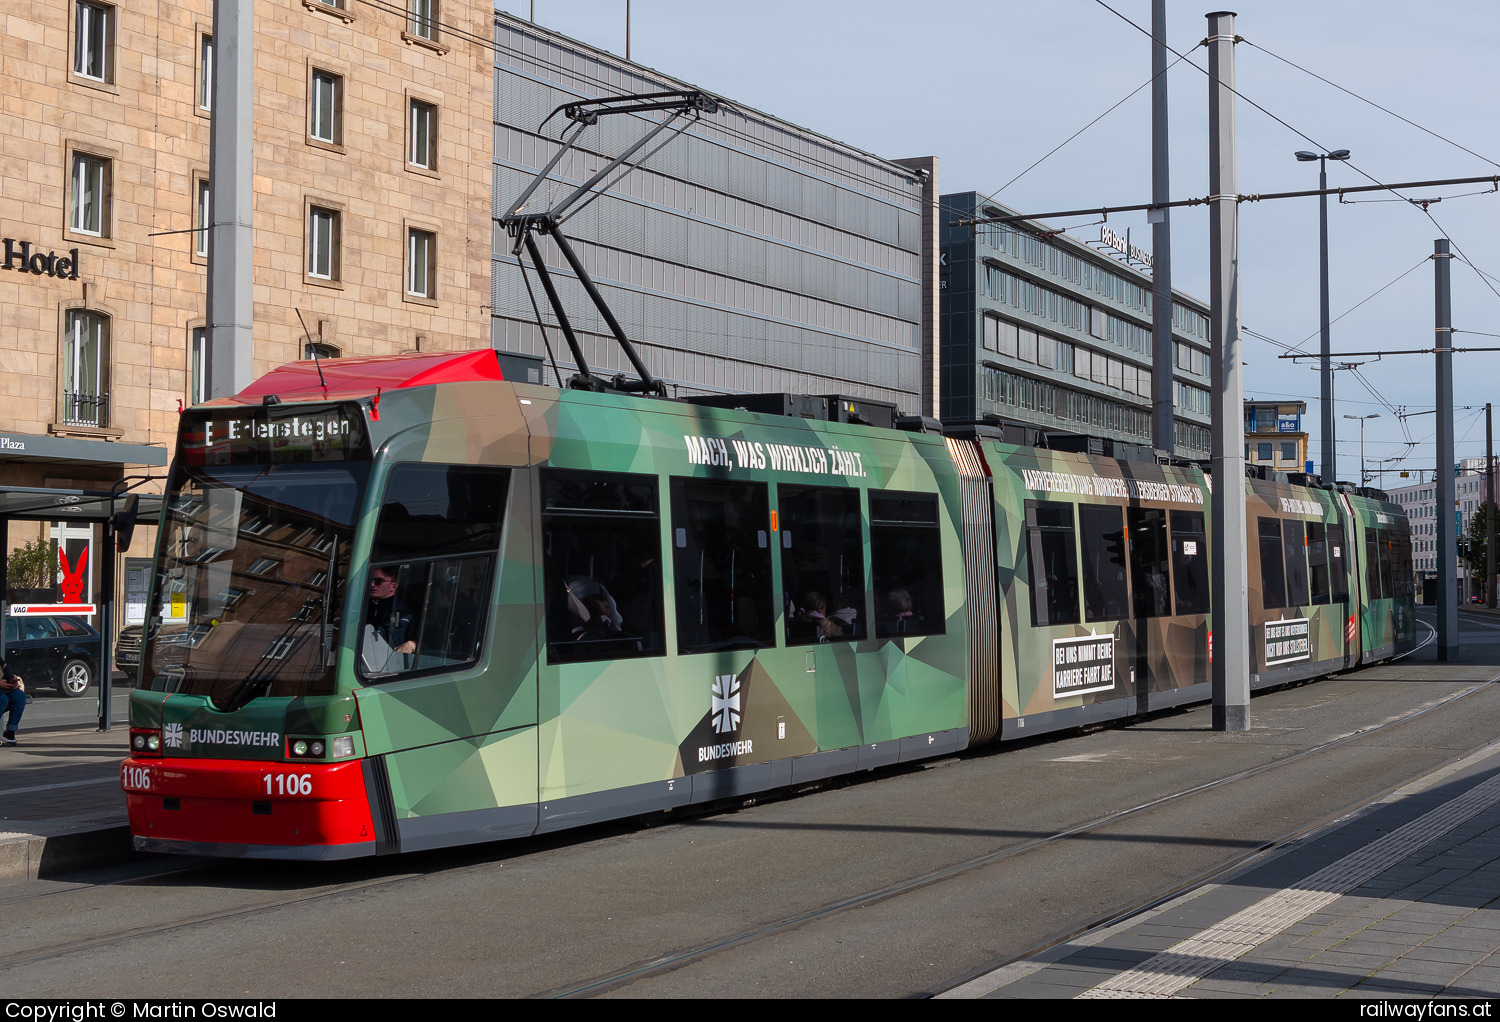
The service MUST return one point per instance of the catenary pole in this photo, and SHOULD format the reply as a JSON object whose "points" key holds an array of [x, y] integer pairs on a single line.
{"points": [[1329, 464], [230, 242], [1447, 612], [1163, 423], [1489, 513], [1231, 643]]}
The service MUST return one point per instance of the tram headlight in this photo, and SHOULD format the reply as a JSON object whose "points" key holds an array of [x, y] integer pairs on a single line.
{"points": [[313, 747], [145, 741]]}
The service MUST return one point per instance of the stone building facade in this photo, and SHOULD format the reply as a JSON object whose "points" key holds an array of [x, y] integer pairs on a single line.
{"points": [[371, 210]]}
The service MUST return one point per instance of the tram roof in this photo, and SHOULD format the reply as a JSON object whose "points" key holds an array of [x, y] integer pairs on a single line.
{"points": [[344, 379]]}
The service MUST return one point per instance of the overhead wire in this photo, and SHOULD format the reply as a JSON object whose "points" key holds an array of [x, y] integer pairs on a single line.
{"points": [[1308, 138], [1371, 102], [990, 197]]}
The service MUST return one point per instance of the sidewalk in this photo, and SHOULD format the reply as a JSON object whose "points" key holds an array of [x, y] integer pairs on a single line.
{"points": [[60, 802], [1403, 900]]}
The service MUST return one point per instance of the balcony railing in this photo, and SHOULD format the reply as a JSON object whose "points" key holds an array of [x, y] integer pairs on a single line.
{"points": [[85, 409]]}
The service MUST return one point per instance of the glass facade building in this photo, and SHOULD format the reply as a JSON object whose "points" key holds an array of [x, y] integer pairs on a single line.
{"points": [[745, 255], [1040, 328]]}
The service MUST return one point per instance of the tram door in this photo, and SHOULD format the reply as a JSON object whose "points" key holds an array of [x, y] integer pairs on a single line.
{"points": [[447, 651]]}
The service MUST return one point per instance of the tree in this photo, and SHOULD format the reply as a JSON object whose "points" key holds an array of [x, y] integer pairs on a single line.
{"points": [[33, 565], [1478, 533]]}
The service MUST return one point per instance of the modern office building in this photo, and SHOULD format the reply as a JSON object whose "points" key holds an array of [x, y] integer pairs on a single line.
{"points": [[747, 254], [1419, 500], [1274, 436], [1041, 328]]}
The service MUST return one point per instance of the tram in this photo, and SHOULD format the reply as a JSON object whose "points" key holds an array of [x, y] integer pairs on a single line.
{"points": [[401, 603]]}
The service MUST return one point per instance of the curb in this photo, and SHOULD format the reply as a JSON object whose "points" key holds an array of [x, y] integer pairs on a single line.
{"points": [[38, 857]]}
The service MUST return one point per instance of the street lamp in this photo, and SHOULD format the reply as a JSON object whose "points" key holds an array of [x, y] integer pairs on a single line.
{"points": [[1363, 477], [1330, 465]]}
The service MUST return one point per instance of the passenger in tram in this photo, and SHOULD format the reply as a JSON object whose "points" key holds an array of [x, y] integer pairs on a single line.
{"points": [[598, 624], [828, 624], [897, 611]]}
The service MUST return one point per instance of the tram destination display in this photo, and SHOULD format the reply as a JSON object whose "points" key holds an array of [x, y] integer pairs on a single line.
{"points": [[237, 436]]}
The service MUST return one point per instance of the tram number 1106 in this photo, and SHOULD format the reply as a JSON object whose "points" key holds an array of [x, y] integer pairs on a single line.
{"points": [[287, 784]]}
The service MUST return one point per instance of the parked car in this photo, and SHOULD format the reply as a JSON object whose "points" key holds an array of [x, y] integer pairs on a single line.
{"points": [[128, 649], [62, 652]]}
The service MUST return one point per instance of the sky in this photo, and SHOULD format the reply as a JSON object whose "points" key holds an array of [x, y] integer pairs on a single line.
{"points": [[992, 87]]}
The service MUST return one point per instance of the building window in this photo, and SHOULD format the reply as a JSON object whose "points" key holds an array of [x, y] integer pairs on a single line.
{"points": [[89, 203], [205, 72], [1263, 452], [423, 20], [421, 147], [1288, 452], [323, 243], [93, 36], [84, 338], [198, 384], [200, 236], [315, 349], [421, 257], [325, 114]]}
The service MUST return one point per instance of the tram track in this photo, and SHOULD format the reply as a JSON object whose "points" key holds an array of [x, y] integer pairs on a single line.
{"points": [[688, 956], [624, 977]]}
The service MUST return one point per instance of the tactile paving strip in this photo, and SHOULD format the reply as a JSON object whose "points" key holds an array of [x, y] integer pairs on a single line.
{"points": [[1189, 961]]}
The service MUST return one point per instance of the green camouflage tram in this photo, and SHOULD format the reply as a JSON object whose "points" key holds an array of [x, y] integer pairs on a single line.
{"points": [[401, 603]]}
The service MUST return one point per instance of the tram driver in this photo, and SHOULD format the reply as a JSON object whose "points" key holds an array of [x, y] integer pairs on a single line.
{"points": [[387, 645]]}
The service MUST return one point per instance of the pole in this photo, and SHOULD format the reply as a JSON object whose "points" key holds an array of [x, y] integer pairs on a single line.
{"points": [[231, 312], [107, 618], [1163, 359], [1231, 646], [1447, 613], [1364, 472], [1489, 514], [1330, 464]]}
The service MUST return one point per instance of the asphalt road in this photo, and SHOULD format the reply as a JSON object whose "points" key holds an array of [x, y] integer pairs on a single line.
{"points": [[896, 884]]}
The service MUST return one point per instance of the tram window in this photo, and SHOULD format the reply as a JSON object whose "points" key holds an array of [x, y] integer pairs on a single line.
{"points": [[722, 563], [1372, 564], [601, 538], [1148, 561], [1190, 562], [432, 569], [1105, 593], [822, 564], [906, 564], [1294, 543], [1403, 560], [1387, 565], [1052, 548], [1338, 565], [1272, 565], [1317, 561]]}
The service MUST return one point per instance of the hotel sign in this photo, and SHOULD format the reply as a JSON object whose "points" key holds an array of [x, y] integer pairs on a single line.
{"points": [[19, 256]]}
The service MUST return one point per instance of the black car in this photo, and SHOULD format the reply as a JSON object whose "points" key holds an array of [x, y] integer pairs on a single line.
{"points": [[128, 649], [59, 651]]}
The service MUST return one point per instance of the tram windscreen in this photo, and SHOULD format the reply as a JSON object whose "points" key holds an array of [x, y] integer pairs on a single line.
{"points": [[260, 519]]}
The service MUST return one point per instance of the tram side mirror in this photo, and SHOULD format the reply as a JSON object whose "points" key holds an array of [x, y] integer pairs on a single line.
{"points": [[125, 522]]}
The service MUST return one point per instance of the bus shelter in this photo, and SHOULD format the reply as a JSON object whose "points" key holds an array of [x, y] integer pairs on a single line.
{"points": [[116, 512]]}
